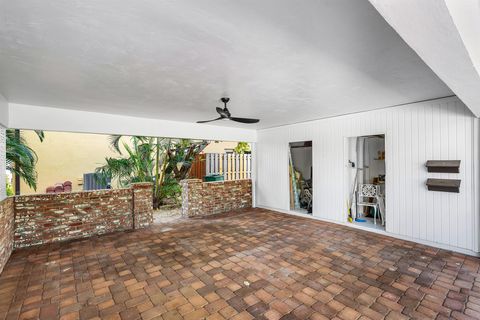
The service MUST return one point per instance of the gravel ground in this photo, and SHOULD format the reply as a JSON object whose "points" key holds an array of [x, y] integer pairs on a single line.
{"points": [[167, 214]]}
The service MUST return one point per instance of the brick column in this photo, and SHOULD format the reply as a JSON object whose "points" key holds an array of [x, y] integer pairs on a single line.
{"points": [[191, 197], [142, 204], [6, 230]]}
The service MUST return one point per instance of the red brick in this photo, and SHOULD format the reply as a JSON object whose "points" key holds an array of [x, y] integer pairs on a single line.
{"points": [[46, 218], [273, 271], [206, 198], [6, 230]]}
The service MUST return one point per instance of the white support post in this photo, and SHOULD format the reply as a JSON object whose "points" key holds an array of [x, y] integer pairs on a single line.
{"points": [[476, 181], [3, 164], [253, 173]]}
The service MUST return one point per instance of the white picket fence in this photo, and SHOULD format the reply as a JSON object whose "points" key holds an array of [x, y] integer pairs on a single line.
{"points": [[232, 166]]}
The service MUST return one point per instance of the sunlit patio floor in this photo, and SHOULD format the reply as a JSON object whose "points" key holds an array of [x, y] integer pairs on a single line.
{"points": [[251, 264]]}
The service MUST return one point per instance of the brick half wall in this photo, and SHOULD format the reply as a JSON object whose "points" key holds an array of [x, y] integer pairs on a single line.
{"points": [[47, 218], [6, 230], [206, 198]]}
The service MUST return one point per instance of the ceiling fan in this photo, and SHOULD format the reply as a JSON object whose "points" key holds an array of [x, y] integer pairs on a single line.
{"points": [[225, 114]]}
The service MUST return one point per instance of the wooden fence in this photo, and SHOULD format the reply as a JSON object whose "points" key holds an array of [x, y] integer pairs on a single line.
{"points": [[231, 166], [197, 170]]}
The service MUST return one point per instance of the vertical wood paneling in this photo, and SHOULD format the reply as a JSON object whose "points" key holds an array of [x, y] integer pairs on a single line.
{"points": [[444, 124], [469, 167], [476, 183], [415, 168], [453, 132], [440, 129]]}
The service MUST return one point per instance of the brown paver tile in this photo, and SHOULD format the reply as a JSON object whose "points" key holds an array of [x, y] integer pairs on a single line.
{"points": [[70, 316], [197, 314], [252, 264]]}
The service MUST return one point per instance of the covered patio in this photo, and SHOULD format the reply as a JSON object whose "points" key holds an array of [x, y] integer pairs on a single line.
{"points": [[246, 264], [362, 198]]}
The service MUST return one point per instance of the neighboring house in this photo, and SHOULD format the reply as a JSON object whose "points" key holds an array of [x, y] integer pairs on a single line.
{"points": [[220, 147], [65, 156]]}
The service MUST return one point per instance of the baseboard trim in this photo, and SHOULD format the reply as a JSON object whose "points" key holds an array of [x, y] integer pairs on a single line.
{"points": [[385, 233]]}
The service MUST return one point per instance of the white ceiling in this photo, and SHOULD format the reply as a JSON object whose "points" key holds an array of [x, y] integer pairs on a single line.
{"points": [[281, 61], [446, 34]]}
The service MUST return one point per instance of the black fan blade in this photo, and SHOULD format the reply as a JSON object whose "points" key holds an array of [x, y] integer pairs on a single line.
{"points": [[224, 113], [205, 121], [244, 120]]}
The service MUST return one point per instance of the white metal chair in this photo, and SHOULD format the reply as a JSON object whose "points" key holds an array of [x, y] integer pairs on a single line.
{"points": [[305, 195], [308, 199], [370, 191]]}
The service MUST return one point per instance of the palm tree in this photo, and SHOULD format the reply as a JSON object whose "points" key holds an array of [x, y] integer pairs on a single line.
{"points": [[162, 161], [21, 159]]}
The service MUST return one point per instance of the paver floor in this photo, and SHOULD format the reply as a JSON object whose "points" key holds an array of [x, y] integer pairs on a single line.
{"points": [[253, 264]]}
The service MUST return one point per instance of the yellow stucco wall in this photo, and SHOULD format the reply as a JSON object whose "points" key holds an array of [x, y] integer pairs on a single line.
{"points": [[66, 156]]}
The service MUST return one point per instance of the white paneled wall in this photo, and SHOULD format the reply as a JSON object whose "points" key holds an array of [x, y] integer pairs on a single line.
{"points": [[435, 130], [2, 163]]}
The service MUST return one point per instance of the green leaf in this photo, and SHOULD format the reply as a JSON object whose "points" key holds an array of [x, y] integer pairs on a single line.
{"points": [[20, 158]]}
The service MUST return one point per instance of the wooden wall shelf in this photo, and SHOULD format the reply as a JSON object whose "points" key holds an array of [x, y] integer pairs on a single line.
{"points": [[444, 166], [444, 185]]}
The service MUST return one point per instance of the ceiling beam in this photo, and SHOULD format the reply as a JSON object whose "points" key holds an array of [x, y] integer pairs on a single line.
{"points": [[53, 119]]}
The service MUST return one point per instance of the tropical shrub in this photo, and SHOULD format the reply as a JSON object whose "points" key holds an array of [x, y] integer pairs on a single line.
{"points": [[242, 147], [9, 188], [162, 161]]}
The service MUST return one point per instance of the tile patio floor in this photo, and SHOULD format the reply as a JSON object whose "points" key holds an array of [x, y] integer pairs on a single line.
{"points": [[252, 264]]}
